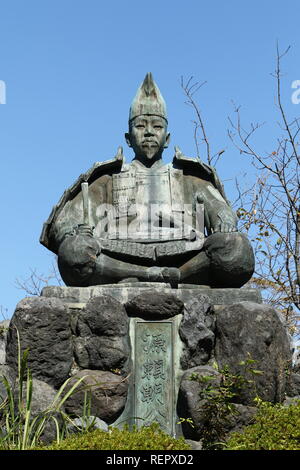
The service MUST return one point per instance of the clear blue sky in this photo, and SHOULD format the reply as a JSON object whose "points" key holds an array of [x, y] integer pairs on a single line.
{"points": [[71, 69]]}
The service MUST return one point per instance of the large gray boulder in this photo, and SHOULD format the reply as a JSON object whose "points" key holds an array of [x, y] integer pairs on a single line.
{"points": [[154, 305], [101, 335], [4, 325], [190, 404], [44, 398], [103, 316], [86, 423], [250, 330], [6, 374], [293, 384], [43, 327], [107, 391], [197, 332], [102, 353]]}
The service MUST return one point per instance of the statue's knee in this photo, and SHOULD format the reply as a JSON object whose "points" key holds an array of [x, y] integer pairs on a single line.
{"points": [[223, 245], [77, 257], [231, 258]]}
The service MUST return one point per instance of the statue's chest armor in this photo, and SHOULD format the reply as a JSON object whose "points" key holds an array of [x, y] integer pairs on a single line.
{"points": [[123, 189], [149, 197], [142, 188], [153, 188]]}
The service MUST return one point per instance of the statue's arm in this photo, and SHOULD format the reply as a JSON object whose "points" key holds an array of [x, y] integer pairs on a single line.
{"points": [[78, 248], [219, 216]]}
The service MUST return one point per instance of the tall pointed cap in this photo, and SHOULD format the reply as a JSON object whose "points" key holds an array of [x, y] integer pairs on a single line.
{"points": [[148, 100]]}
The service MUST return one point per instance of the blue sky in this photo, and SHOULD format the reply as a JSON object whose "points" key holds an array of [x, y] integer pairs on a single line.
{"points": [[71, 69]]}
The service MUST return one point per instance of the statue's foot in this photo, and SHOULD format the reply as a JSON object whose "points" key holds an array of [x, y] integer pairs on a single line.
{"points": [[172, 276], [129, 279], [168, 275]]}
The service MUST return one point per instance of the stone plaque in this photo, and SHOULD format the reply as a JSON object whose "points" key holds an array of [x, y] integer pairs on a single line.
{"points": [[154, 370]]}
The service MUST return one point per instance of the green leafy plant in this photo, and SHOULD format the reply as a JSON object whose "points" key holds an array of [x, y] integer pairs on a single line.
{"points": [[19, 429], [276, 427], [217, 401]]}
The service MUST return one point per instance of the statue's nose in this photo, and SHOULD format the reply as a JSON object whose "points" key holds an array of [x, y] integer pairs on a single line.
{"points": [[149, 130]]}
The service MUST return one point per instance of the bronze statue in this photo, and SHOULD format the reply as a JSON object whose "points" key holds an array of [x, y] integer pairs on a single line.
{"points": [[147, 221]]}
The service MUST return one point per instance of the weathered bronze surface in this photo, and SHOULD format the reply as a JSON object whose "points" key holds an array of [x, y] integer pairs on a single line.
{"points": [[146, 221]]}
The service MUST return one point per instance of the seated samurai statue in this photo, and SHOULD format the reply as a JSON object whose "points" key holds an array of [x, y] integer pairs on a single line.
{"points": [[147, 221]]}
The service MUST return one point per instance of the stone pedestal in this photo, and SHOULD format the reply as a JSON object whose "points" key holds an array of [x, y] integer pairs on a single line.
{"points": [[139, 343], [127, 291], [167, 337]]}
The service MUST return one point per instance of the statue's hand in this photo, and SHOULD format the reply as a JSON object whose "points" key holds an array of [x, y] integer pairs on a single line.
{"points": [[225, 222], [84, 229]]}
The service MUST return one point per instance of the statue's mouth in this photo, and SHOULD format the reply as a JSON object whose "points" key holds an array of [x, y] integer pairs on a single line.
{"points": [[151, 143]]}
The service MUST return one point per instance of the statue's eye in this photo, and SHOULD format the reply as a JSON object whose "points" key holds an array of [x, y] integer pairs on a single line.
{"points": [[157, 125]]}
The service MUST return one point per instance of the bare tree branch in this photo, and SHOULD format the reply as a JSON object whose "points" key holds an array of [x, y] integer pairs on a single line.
{"points": [[34, 284], [190, 89], [270, 210]]}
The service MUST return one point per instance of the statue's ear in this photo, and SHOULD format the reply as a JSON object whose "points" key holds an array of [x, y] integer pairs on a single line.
{"points": [[127, 138], [168, 138]]}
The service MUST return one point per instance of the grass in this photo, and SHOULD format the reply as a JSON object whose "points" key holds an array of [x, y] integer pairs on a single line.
{"points": [[19, 429]]}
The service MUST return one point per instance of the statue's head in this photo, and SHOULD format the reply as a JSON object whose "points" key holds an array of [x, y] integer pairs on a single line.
{"points": [[148, 124]]}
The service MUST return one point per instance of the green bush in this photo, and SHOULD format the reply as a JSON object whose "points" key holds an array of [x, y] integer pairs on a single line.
{"points": [[276, 427], [217, 396], [145, 438]]}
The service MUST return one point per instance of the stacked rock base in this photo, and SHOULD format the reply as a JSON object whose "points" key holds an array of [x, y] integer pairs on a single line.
{"points": [[138, 345]]}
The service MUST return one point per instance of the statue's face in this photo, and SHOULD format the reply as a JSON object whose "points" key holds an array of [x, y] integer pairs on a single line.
{"points": [[148, 136]]}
